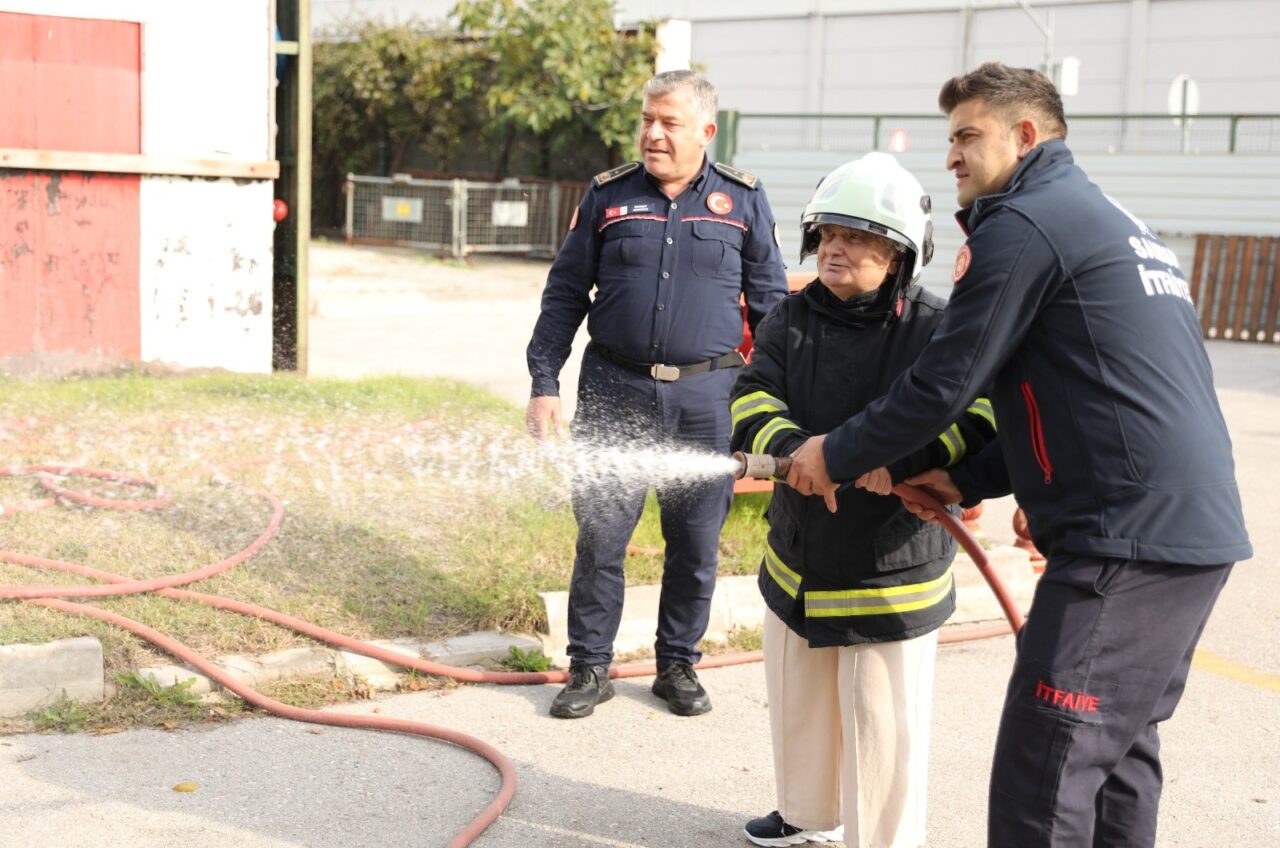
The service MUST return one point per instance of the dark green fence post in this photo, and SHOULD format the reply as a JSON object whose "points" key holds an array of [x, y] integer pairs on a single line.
{"points": [[726, 135], [1235, 125]]}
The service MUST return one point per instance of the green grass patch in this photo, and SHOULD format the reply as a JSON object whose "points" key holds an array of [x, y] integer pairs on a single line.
{"points": [[412, 508]]}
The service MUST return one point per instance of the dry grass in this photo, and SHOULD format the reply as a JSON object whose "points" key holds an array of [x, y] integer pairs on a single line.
{"points": [[412, 508]]}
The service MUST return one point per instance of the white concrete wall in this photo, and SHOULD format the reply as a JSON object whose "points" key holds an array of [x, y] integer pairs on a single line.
{"points": [[206, 273]]}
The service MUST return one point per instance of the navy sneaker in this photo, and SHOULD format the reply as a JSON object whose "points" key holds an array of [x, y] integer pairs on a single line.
{"points": [[678, 685], [588, 685], [772, 832]]}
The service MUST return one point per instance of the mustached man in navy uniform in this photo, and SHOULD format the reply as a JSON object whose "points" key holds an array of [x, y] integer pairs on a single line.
{"points": [[1112, 439], [658, 258]]}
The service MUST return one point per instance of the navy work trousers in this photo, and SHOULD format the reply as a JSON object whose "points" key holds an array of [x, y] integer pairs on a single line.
{"points": [[620, 409], [1102, 660]]}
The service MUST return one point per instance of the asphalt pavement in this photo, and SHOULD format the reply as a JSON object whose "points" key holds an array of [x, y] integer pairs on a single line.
{"points": [[633, 774]]}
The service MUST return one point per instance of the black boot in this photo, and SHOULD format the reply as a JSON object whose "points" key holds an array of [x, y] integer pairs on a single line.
{"points": [[678, 685], [588, 685]]}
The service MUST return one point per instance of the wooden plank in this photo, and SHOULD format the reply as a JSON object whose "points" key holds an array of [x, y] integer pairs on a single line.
{"points": [[1245, 278], [129, 163], [1274, 276], [1197, 274], [1259, 290], [1211, 285], [1225, 282]]}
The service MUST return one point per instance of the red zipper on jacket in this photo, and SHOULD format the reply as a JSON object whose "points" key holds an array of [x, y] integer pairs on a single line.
{"points": [[1037, 432]]}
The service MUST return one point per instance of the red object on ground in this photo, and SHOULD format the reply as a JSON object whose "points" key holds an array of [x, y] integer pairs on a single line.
{"points": [[279, 210]]}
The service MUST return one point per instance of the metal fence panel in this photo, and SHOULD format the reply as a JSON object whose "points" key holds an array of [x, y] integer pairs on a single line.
{"points": [[399, 211], [509, 218], [459, 217]]}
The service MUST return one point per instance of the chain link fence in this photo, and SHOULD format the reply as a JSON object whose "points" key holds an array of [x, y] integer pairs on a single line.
{"points": [[460, 217], [1196, 134]]}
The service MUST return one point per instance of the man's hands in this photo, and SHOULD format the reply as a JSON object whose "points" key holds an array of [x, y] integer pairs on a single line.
{"points": [[937, 482], [808, 474], [542, 417], [877, 481]]}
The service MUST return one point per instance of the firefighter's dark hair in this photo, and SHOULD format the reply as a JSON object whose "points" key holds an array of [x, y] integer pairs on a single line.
{"points": [[1017, 93]]}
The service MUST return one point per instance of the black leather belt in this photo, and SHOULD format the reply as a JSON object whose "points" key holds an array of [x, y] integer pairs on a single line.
{"points": [[668, 373]]}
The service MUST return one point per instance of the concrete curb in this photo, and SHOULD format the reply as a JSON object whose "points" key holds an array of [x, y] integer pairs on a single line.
{"points": [[35, 676]]}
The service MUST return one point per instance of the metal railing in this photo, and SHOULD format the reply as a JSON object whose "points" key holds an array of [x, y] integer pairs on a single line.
{"points": [[458, 217], [1192, 134]]}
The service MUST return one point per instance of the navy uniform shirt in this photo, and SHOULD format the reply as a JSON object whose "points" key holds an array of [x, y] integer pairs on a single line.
{"points": [[667, 274]]}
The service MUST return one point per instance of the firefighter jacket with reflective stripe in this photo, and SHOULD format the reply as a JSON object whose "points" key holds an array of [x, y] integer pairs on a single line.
{"points": [[870, 572], [1111, 436], [660, 281]]}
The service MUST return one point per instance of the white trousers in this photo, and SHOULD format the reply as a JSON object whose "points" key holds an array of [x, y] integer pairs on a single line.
{"points": [[850, 733]]}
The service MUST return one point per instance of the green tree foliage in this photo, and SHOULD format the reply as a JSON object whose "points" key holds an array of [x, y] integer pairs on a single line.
{"points": [[550, 84], [561, 65], [382, 91]]}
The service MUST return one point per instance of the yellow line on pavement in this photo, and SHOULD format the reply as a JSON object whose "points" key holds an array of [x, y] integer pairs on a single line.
{"points": [[1212, 662]]}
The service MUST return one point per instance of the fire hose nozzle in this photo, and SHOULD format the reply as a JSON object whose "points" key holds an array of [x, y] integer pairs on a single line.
{"points": [[760, 466]]}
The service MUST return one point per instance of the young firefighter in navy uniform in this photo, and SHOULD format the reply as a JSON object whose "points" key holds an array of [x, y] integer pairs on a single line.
{"points": [[1111, 438], [855, 597], [669, 246]]}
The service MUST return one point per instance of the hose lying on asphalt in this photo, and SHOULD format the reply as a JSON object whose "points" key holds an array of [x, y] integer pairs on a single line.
{"points": [[111, 585]]}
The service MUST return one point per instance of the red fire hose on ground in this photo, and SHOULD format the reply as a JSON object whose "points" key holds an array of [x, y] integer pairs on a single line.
{"points": [[54, 596]]}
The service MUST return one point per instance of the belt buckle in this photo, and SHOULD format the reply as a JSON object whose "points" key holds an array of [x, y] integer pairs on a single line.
{"points": [[665, 373]]}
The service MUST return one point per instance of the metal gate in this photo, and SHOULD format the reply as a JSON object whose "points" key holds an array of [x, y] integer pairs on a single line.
{"points": [[457, 217]]}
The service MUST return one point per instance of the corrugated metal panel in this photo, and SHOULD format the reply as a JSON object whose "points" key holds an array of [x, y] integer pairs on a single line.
{"points": [[87, 95], [17, 80], [1178, 196], [69, 84], [69, 264]]}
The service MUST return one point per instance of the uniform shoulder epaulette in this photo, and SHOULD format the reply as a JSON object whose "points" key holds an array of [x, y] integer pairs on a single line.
{"points": [[737, 175], [611, 175]]}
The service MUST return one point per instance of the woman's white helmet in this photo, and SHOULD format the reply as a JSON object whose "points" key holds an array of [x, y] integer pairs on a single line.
{"points": [[878, 195]]}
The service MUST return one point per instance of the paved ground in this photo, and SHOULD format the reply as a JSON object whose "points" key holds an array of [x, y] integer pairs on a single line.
{"points": [[633, 775]]}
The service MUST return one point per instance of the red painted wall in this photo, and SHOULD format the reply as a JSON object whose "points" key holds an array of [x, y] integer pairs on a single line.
{"points": [[70, 84], [69, 248]]}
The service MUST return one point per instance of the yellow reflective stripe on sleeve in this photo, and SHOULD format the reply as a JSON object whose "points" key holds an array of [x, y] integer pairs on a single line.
{"points": [[781, 574], [894, 599], [954, 443], [753, 404], [760, 444], [983, 409]]}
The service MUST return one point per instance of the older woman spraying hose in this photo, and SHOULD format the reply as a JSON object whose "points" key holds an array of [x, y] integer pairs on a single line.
{"points": [[855, 596]]}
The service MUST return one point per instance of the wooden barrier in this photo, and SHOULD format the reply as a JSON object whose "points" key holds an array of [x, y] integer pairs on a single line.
{"points": [[1235, 284]]}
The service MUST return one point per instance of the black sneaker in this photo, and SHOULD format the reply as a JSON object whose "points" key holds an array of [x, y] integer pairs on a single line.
{"points": [[772, 832], [679, 687], [588, 685]]}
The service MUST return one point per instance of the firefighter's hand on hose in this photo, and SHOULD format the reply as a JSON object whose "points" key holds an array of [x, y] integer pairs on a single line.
{"points": [[877, 481], [937, 482], [808, 474], [542, 417]]}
